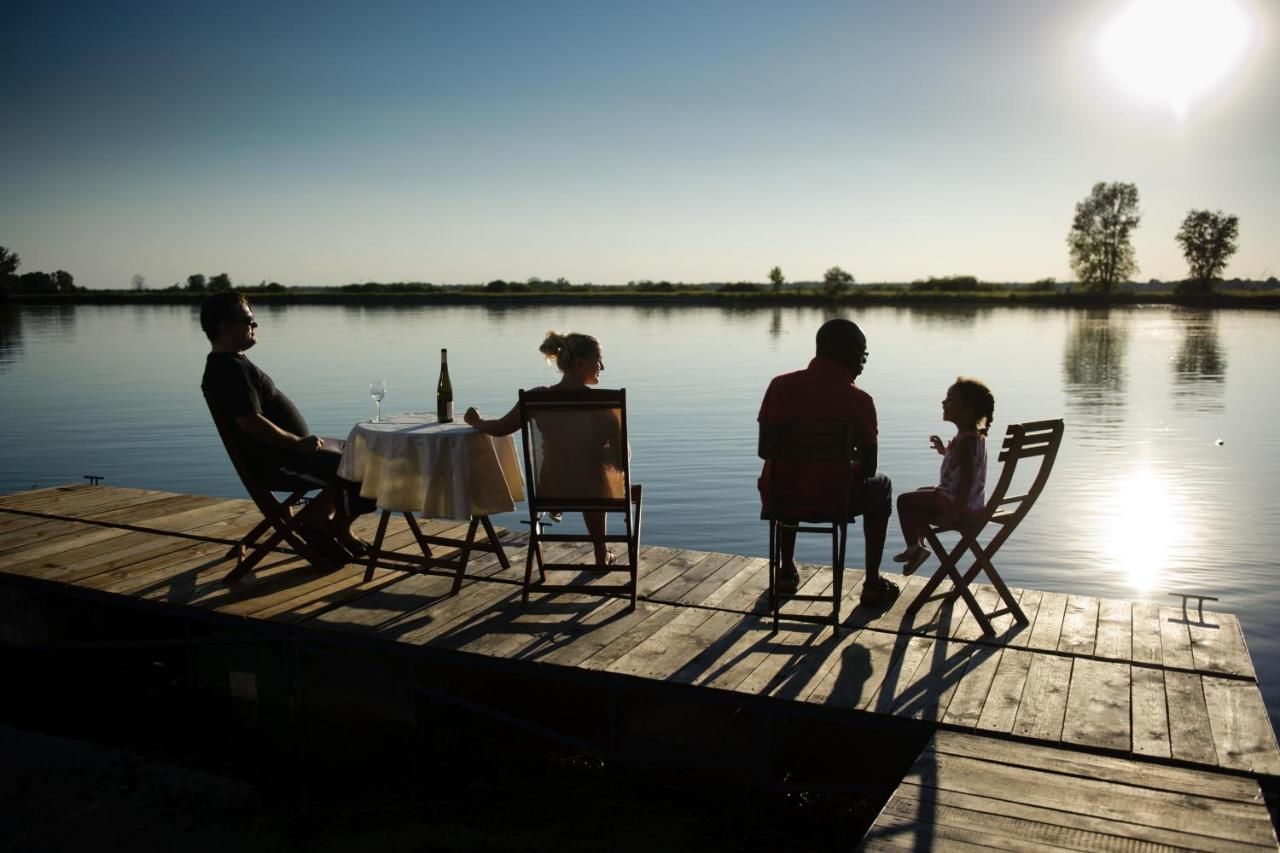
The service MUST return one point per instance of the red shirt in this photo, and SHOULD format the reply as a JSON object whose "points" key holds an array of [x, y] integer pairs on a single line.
{"points": [[821, 393]]}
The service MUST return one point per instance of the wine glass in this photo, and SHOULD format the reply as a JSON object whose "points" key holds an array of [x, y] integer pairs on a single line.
{"points": [[377, 390]]}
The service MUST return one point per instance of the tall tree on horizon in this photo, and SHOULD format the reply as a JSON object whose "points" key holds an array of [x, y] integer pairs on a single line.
{"points": [[835, 280], [1208, 240], [9, 263], [776, 276], [1101, 254]]}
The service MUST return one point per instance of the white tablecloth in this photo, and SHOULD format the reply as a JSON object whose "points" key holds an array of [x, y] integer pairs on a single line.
{"points": [[410, 463]]}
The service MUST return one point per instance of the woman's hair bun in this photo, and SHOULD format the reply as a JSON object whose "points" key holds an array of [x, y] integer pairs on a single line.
{"points": [[552, 344]]}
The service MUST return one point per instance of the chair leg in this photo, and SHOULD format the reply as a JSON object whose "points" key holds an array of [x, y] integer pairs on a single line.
{"points": [[465, 554], [530, 556], [837, 582]]}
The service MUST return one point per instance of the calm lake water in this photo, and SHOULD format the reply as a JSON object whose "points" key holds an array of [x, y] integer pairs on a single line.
{"points": [[1165, 480]]}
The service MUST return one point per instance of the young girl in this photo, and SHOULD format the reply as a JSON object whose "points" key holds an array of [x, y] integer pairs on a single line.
{"points": [[961, 490]]}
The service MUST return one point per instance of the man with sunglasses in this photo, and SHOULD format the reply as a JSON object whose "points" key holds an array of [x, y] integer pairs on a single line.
{"points": [[825, 392], [271, 434]]}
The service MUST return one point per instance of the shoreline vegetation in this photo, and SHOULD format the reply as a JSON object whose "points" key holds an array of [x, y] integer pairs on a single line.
{"points": [[1226, 295]]}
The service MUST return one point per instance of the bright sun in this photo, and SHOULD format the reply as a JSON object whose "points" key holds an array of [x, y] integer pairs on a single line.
{"points": [[1174, 51]]}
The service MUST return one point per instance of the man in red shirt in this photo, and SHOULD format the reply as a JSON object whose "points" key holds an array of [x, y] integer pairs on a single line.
{"points": [[821, 393]]}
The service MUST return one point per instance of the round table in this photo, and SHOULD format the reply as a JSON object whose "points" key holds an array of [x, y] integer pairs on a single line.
{"points": [[411, 463]]}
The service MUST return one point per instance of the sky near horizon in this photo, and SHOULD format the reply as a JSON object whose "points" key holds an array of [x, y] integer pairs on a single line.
{"points": [[325, 143]]}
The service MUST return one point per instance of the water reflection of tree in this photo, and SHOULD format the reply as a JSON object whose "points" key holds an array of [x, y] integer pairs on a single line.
{"points": [[10, 335], [1093, 367], [945, 316], [1199, 368], [775, 323]]}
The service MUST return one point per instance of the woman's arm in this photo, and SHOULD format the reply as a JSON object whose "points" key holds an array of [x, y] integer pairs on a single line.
{"points": [[505, 425]]}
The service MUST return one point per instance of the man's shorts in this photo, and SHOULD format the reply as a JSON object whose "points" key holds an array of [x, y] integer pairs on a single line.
{"points": [[871, 496], [321, 469]]}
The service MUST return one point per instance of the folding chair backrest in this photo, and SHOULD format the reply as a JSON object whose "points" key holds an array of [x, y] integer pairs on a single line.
{"points": [[829, 444], [575, 449], [259, 491], [1029, 440]]}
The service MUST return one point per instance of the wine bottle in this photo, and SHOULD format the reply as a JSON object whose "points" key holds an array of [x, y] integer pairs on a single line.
{"points": [[444, 391]]}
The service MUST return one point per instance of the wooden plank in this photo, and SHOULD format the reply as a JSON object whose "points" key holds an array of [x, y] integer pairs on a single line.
{"points": [[1001, 707], [1074, 762], [1048, 625], [1115, 630], [666, 650], [77, 565], [907, 658], [1218, 646], [672, 591], [1098, 705], [659, 566], [1079, 626], [788, 661], [1016, 824], [1242, 733], [725, 574], [1044, 698], [449, 613], [1131, 804], [397, 602], [1175, 639], [1190, 735], [729, 658], [928, 693], [856, 670], [1146, 633], [1019, 635], [891, 619], [140, 578], [751, 596], [607, 622], [970, 695], [1150, 712], [26, 496]]}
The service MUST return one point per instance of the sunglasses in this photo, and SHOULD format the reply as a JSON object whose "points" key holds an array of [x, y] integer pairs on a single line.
{"points": [[247, 320]]}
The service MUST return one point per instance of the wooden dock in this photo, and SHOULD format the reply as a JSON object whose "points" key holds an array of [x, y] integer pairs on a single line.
{"points": [[1087, 679]]}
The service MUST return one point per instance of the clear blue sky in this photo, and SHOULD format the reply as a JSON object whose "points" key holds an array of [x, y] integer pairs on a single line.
{"points": [[325, 142]]}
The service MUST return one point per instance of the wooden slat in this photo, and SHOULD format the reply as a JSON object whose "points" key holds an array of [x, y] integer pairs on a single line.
{"points": [[1176, 811], [1048, 625], [1146, 633], [970, 695], [1090, 765], [1115, 630], [1044, 698], [1175, 639], [1218, 646], [928, 693], [908, 657], [1001, 707], [1190, 737], [1018, 636], [1098, 705], [1242, 734], [856, 670], [1079, 626], [1150, 712]]}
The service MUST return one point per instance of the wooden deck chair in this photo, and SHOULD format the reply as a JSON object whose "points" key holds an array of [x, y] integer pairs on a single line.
{"points": [[1035, 440], [278, 516], [576, 459], [829, 443]]}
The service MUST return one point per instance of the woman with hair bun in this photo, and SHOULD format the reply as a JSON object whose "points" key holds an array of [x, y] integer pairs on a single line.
{"points": [[579, 458]]}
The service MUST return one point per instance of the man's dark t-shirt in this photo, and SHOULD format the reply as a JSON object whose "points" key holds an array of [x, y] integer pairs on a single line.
{"points": [[235, 386]]}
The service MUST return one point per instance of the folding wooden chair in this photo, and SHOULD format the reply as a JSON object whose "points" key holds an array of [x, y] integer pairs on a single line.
{"points": [[278, 516], [829, 443], [576, 459], [1033, 440]]}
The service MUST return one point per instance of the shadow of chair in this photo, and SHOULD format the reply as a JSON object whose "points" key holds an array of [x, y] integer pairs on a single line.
{"points": [[830, 444], [1037, 441], [279, 517], [576, 459]]}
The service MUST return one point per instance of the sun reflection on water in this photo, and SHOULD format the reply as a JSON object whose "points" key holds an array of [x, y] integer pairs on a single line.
{"points": [[1147, 527]]}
